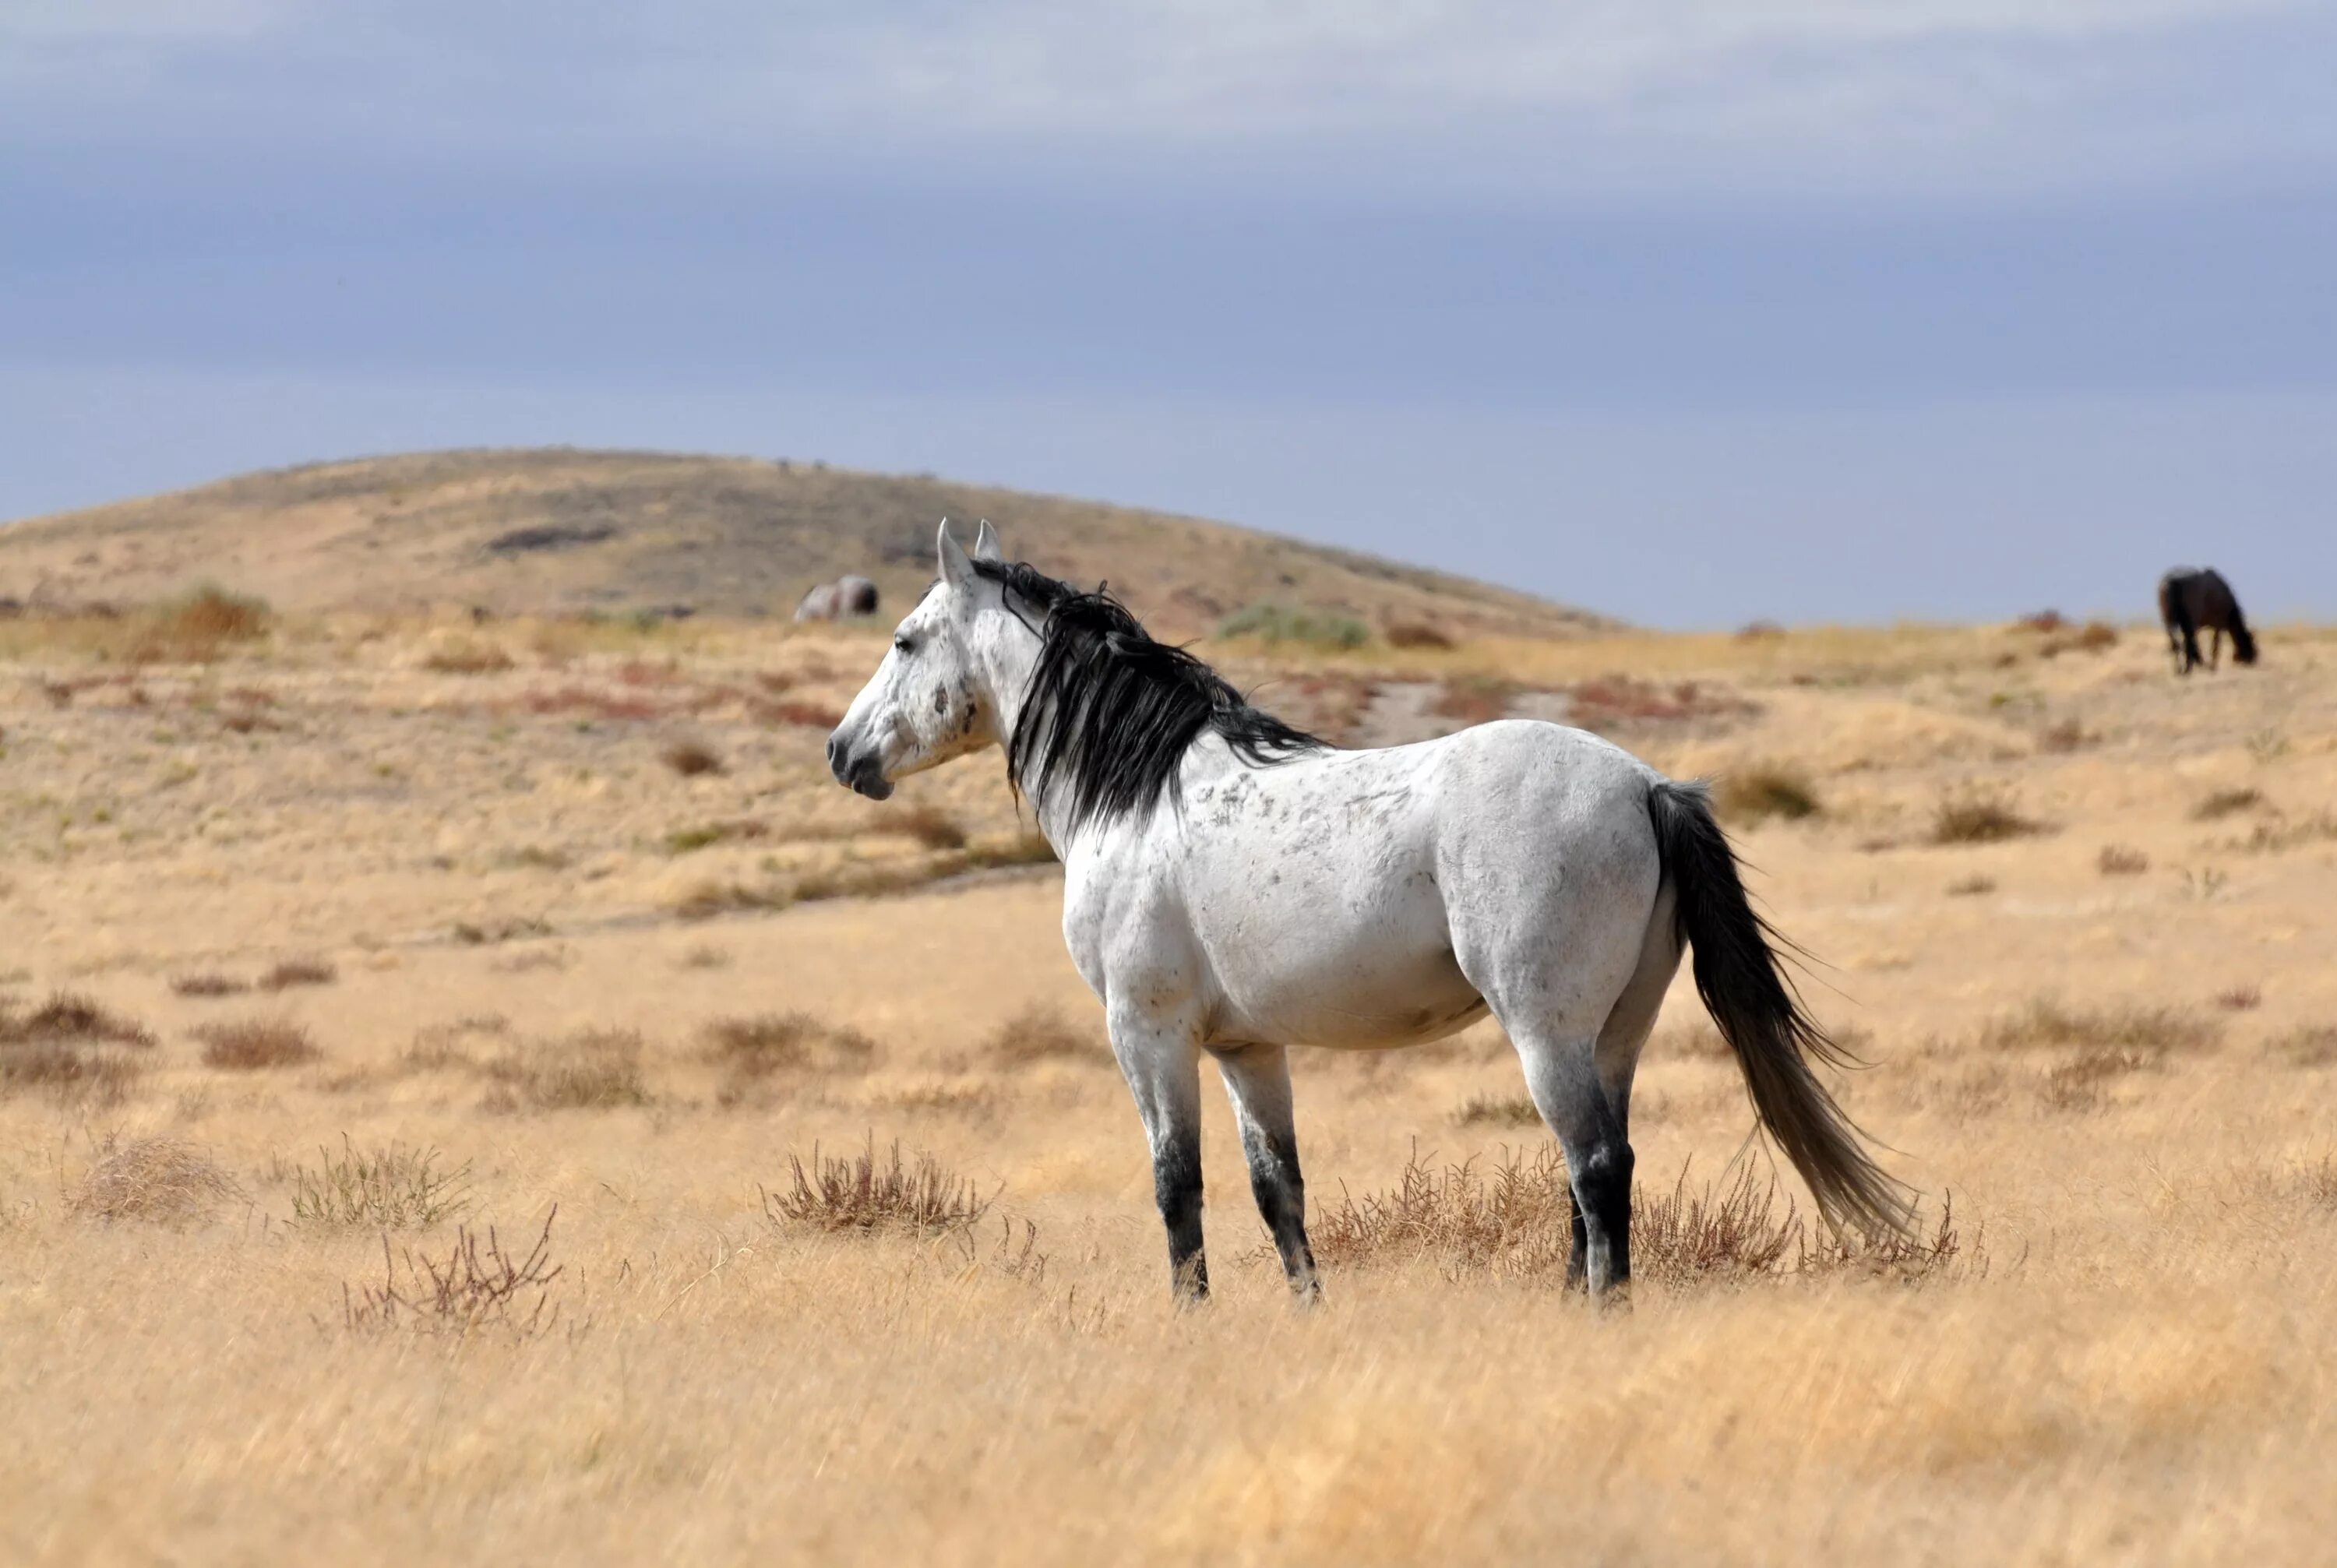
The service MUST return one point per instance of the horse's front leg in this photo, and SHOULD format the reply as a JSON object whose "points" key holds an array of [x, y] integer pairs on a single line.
{"points": [[1257, 1081], [1160, 1059]]}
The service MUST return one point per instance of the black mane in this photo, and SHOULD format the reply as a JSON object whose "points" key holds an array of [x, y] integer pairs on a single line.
{"points": [[1110, 713]]}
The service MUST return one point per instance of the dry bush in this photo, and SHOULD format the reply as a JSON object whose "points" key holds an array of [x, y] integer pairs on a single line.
{"points": [[197, 627], [73, 1048], [473, 1289], [2121, 860], [2045, 1022], [2313, 1045], [692, 759], [1981, 816], [2093, 637], [68, 1017], [1766, 789], [1762, 630], [931, 826], [752, 1051], [1415, 634], [810, 715], [871, 878], [689, 840], [162, 1179], [1497, 1111], [1040, 1033], [251, 1044], [2285, 833], [2317, 1181], [591, 1070], [209, 984], [389, 1187], [858, 1195], [2078, 1085], [2223, 803], [2042, 620], [2239, 998], [1475, 699], [704, 900], [704, 956], [1515, 1221], [1971, 887], [510, 929], [1612, 701], [292, 972], [2068, 735], [467, 656]]}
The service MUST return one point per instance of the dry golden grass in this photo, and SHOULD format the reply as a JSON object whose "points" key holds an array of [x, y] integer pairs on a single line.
{"points": [[2113, 1348], [246, 1045]]}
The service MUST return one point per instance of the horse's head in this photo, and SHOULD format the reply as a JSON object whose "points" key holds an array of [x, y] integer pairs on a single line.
{"points": [[935, 697]]}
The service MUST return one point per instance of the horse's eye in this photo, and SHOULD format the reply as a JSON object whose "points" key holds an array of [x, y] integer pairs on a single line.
{"points": [[903, 645]]}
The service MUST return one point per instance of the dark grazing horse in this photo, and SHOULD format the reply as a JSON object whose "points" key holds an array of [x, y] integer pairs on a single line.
{"points": [[2192, 600]]}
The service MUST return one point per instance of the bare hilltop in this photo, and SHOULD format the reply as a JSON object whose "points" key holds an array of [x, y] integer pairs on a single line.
{"points": [[557, 531]]}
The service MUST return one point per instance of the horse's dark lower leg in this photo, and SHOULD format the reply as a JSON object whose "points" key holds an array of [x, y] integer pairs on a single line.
{"points": [[1257, 1081], [1577, 1259], [2215, 649], [1176, 1187], [1602, 1206]]}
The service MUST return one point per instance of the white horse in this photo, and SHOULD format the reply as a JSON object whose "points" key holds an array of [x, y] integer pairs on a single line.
{"points": [[1233, 886]]}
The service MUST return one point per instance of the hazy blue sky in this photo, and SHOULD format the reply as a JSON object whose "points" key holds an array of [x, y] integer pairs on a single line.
{"points": [[1691, 310]]}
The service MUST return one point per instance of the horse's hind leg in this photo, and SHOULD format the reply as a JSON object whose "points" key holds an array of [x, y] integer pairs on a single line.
{"points": [[2215, 647], [1621, 1042], [1257, 1082]]}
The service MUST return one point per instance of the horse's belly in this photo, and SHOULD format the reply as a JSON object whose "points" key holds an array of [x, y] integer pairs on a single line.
{"points": [[1329, 977]]}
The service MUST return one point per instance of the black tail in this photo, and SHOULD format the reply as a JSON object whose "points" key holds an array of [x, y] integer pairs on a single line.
{"points": [[1738, 975]]}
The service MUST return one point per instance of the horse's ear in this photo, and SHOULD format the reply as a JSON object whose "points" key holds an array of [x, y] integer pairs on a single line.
{"points": [[956, 569], [987, 546]]}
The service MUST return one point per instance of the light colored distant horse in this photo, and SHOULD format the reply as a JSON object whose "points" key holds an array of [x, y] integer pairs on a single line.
{"points": [[1233, 886], [847, 595]]}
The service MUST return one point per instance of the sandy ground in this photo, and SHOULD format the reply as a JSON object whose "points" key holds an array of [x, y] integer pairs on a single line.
{"points": [[2127, 1361]]}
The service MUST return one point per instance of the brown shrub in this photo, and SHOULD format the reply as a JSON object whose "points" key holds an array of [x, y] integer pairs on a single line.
{"points": [[1760, 632], [1497, 1111], [2317, 1181], [2045, 1022], [812, 715], [1026, 847], [692, 759], [858, 1195], [291, 972], [2223, 803], [704, 900], [1417, 634], [1475, 699], [2121, 860], [471, 1290], [2313, 1045], [2042, 620], [2239, 998], [1971, 887], [2068, 735], [688, 840], [931, 826], [2078, 1085], [465, 656], [162, 1179], [1766, 789], [69, 1017], [2284, 833], [1981, 816], [1619, 700], [591, 1070], [197, 627], [752, 1051], [1040, 1033], [209, 984], [251, 1044], [1515, 1220]]}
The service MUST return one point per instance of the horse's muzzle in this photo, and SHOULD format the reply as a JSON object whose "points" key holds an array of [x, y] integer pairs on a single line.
{"points": [[863, 775]]}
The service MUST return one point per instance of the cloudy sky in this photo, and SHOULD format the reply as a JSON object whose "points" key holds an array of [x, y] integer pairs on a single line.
{"points": [[1691, 310]]}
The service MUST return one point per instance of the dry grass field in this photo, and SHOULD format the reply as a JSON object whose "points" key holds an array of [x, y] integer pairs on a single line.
{"points": [[412, 1032]]}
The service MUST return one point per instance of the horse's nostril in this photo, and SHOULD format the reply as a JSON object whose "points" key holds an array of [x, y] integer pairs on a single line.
{"points": [[835, 754]]}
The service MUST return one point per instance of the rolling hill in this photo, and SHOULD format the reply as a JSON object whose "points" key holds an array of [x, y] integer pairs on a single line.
{"points": [[560, 530]]}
